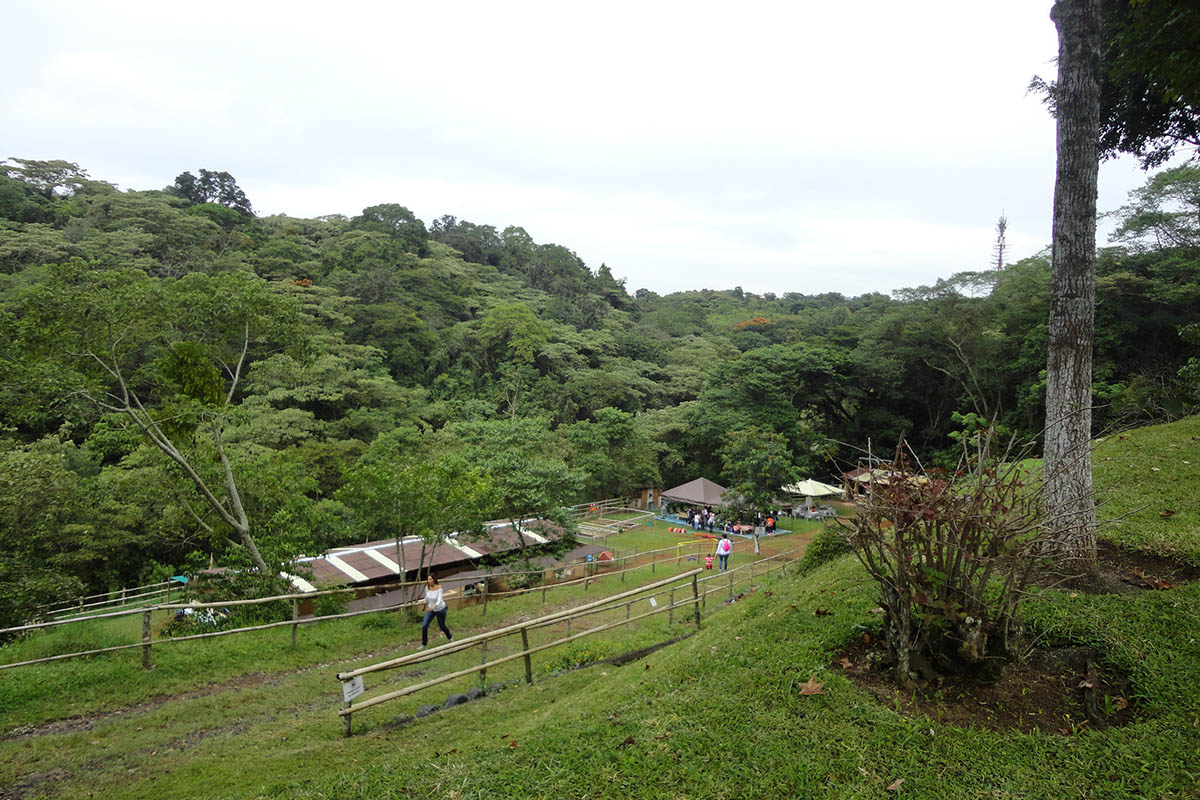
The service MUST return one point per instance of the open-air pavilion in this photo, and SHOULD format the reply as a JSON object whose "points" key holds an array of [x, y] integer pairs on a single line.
{"points": [[700, 492]]}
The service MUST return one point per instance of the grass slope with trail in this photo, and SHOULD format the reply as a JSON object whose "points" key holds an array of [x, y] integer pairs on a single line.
{"points": [[722, 714]]}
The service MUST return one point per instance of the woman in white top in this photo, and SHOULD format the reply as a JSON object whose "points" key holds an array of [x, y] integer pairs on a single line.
{"points": [[724, 548], [435, 606]]}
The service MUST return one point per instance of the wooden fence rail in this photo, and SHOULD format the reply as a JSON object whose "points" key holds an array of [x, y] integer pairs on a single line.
{"points": [[324, 592], [147, 642], [697, 601], [75, 602], [607, 603]]}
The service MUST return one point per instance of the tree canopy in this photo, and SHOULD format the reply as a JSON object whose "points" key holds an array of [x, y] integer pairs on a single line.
{"points": [[307, 369]]}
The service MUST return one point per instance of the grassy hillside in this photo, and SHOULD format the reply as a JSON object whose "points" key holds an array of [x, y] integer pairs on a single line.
{"points": [[718, 715], [1143, 474]]}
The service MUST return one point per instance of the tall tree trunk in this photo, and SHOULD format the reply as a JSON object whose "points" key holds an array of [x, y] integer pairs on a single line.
{"points": [[1070, 507]]}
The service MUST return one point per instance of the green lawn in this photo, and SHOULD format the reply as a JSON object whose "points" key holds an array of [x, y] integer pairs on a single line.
{"points": [[717, 715], [1142, 474]]}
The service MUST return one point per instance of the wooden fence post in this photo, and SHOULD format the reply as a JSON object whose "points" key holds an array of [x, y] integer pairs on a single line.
{"points": [[528, 662], [624, 565], [627, 616], [543, 590], [146, 639], [671, 608], [483, 660], [295, 615], [485, 597], [751, 575], [346, 719], [696, 599], [653, 562]]}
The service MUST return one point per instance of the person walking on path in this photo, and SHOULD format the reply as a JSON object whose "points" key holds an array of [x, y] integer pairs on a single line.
{"points": [[435, 606], [724, 548]]}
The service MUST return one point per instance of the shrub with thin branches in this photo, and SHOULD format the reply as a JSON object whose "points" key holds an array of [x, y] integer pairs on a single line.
{"points": [[952, 553]]}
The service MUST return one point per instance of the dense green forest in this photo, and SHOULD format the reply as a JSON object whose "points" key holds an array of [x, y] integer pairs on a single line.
{"points": [[184, 381]]}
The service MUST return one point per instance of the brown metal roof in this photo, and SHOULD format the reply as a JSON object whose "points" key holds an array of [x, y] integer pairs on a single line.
{"points": [[376, 562]]}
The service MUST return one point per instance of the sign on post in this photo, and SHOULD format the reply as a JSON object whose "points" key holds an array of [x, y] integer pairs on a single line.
{"points": [[352, 688]]}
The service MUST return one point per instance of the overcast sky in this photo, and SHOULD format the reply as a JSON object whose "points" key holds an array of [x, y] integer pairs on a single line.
{"points": [[782, 146]]}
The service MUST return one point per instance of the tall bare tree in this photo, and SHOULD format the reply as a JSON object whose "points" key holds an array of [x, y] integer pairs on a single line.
{"points": [[1070, 508]]}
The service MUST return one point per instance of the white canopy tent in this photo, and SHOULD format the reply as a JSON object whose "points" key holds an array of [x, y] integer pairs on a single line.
{"points": [[811, 489]]}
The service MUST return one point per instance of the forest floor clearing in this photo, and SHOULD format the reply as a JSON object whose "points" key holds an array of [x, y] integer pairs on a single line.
{"points": [[755, 704]]}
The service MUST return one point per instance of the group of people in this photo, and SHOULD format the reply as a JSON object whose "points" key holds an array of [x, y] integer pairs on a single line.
{"points": [[705, 519], [701, 519]]}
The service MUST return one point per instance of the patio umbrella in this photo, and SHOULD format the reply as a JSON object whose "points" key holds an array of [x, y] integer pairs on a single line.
{"points": [[812, 489]]}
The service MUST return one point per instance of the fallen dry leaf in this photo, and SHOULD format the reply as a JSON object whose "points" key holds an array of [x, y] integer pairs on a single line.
{"points": [[737, 638], [1159, 583], [771, 614], [1086, 683], [896, 785], [1168, 513], [628, 741], [811, 686], [823, 612], [1120, 704], [513, 743], [846, 663], [866, 638]]}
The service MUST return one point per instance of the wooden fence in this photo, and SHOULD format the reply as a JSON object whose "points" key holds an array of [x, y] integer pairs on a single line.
{"points": [[593, 572], [714, 582], [351, 680], [82, 606]]}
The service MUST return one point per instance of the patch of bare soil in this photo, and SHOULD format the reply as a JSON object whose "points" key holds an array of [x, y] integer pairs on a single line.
{"points": [[80, 723], [30, 784], [1122, 572], [1061, 690]]}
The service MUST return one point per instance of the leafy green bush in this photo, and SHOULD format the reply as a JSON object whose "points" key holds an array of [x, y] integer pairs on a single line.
{"points": [[828, 543], [382, 621], [578, 654], [329, 604]]}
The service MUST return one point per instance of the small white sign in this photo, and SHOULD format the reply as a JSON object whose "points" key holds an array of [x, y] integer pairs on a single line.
{"points": [[653, 603], [352, 688]]}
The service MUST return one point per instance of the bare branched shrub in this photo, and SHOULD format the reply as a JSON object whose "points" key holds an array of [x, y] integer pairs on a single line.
{"points": [[952, 553]]}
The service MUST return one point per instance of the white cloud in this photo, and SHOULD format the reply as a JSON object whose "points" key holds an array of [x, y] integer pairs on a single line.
{"points": [[813, 147]]}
